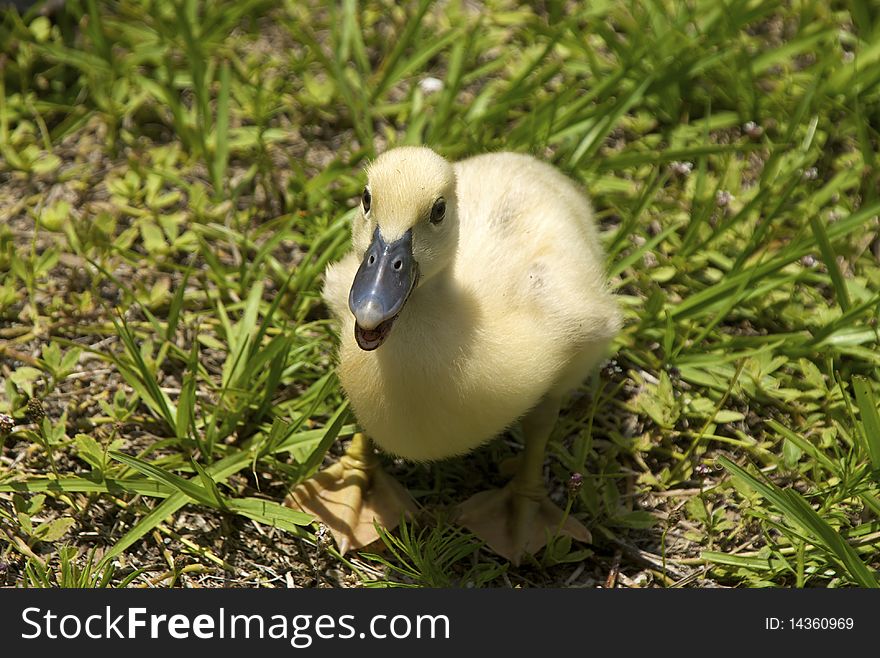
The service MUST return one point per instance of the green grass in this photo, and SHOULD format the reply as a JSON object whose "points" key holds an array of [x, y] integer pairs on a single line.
{"points": [[174, 180]]}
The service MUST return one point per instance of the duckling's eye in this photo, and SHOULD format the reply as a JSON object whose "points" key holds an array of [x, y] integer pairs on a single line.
{"points": [[366, 199], [438, 212]]}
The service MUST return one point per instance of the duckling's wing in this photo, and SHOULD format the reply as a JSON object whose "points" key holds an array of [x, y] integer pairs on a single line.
{"points": [[529, 248]]}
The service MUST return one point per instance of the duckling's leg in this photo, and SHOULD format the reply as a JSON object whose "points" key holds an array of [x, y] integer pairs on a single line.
{"points": [[353, 493], [519, 518]]}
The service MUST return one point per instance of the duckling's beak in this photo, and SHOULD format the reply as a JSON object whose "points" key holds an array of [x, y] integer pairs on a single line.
{"points": [[383, 283]]}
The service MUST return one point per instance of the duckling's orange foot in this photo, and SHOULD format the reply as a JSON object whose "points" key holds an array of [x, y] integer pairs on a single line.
{"points": [[513, 523], [351, 497]]}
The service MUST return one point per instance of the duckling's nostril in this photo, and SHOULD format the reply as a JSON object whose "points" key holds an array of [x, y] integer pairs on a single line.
{"points": [[372, 259], [398, 264]]}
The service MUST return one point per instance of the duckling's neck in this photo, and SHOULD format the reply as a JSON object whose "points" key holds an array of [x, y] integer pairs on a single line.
{"points": [[439, 317], [437, 286]]}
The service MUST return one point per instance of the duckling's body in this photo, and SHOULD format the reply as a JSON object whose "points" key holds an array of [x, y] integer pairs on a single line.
{"points": [[522, 311], [511, 316]]}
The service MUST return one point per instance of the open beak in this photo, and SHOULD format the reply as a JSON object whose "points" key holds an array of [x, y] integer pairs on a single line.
{"points": [[382, 284]]}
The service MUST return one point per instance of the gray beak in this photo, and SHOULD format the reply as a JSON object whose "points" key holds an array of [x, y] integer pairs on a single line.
{"points": [[381, 286]]}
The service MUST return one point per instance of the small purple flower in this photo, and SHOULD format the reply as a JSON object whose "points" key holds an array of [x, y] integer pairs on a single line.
{"points": [[752, 129], [6, 424], [575, 482], [323, 536], [723, 198], [702, 470], [681, 168]]}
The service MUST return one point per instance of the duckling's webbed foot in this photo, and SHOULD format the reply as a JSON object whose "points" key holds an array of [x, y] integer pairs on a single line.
{"points": [[520, 518], [513, 522], [352, 494]]}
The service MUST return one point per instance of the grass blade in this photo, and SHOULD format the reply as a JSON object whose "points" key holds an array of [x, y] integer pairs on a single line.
{"points": [[870, 419], [221, 133], [797, 511], [187, 487], [331, 432], [830, 259]]}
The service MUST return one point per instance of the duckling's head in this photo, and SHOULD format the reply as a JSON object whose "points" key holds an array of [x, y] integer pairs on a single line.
{"points": [[407, 232]]}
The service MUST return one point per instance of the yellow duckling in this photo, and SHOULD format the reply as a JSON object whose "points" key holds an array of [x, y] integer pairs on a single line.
{"points": [[475, 296]]}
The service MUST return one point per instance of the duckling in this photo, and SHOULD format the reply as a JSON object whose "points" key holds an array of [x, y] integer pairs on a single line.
{"points": [[475, 296]]}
